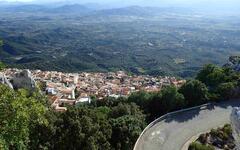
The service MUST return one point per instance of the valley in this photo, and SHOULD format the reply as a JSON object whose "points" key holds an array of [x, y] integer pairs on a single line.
{"points": [[139, 40]]}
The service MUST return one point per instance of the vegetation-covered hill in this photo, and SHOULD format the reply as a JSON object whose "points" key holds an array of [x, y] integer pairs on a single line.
{"points": [[152, 41]]}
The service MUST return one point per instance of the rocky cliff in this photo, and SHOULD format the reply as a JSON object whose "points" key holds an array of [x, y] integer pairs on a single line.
{"points": [[233, 62]]}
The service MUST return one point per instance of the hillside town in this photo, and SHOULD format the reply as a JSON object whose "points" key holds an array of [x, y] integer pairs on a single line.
{"points": [[73, 88]]}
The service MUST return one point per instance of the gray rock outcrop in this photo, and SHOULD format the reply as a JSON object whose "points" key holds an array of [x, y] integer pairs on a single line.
{"points": [[23, 80], [4, 80], [234, 63]]}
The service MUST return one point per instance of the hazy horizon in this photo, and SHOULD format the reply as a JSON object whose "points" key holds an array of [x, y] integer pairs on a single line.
{"points": [[206, 3]]}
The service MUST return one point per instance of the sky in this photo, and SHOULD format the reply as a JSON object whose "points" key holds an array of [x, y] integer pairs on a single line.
{"points": [[149, 1]]}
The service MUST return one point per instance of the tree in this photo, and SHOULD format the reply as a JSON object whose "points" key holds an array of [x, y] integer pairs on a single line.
{"points": [[83, 128], [109, 101], [126, 109], [141, 98], [19, 113], [195, 92], [127, 122], [165, 101], [89, 127], [126, 130], [211, 75], [42, 134], [225, 90]]}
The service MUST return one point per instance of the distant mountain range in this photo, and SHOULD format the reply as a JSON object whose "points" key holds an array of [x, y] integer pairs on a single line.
{"points": [[90, 9], [200, 5], [94, 8], [24, 8], [75, 8]]}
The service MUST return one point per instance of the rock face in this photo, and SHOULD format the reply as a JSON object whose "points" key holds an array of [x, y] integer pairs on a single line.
{"points": [[234, 62], [4, 80], [24, 80], [235, 121]]}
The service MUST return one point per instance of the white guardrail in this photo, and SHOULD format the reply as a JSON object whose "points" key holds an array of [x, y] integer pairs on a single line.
{"points": [[164, 117]]}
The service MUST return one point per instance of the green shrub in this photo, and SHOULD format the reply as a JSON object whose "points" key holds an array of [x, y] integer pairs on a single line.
{"points": [[198, 146], [227, 129]]}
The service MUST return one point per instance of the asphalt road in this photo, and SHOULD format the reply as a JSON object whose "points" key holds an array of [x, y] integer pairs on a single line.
{"points": [[174, 131]]}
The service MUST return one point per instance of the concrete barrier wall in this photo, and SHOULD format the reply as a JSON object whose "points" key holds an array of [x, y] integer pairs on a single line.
{"points": [[166, 116]]}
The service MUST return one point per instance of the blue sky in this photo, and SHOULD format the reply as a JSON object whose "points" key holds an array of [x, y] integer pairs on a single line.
{"points": [[100, 1]]}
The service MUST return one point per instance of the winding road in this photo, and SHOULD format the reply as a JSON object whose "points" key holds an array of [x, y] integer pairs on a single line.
{"points": [[175, 130]]}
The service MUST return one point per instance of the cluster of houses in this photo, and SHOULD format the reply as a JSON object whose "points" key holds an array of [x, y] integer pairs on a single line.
{"points": [[73, 88]]}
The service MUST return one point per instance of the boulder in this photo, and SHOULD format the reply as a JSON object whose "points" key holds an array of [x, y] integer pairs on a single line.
{"points": [[23, 80]]}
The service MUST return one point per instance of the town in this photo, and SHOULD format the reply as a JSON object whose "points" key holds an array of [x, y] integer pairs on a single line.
{"points": [[73, 88]]}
